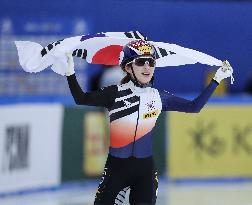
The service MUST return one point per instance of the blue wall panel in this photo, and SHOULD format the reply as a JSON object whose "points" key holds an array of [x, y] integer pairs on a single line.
{"points": [[222, 29]]}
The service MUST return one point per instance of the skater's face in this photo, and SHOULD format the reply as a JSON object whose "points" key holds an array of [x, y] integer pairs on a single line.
{"points": [[143, 68]]}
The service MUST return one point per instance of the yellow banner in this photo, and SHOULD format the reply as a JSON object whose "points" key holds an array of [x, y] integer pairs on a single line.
{"points": [[217, 142], [95, 143]]}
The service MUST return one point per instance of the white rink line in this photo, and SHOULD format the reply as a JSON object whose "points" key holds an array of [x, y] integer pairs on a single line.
{"points": [[169, 194], [75, 196]]}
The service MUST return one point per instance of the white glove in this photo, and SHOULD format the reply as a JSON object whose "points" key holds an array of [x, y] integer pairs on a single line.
{"points": [[224, 71], [70, 65]]}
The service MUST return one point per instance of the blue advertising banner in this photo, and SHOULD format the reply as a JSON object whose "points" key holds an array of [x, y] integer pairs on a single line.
{"points": [[37, 26]]}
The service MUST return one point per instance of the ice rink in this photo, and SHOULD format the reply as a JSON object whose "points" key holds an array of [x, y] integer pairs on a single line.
{"points": [[169, 194], [61, 117]]}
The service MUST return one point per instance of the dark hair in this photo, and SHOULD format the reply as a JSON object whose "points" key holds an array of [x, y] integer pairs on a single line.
{"points": [[126, 79]]}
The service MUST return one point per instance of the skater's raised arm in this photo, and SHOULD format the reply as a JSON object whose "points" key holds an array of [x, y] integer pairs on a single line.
{"points": [[171, 102], [103, 97]]}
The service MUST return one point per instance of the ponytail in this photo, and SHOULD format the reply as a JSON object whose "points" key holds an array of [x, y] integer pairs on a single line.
{"points": [[126, 79]]}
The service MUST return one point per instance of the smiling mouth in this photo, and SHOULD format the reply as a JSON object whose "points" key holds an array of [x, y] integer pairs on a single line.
{"points": [[146, 74]]}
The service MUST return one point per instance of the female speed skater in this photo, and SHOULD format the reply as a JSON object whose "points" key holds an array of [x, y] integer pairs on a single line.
{"points": [[133, 108]]}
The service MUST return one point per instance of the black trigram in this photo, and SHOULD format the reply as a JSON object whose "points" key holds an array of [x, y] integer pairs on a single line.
{"points": [[136, 35], [81, 53], [50, 47], [162, 53]]}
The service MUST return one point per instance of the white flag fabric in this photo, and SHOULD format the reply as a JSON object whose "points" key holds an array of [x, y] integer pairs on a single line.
{"points": [[178, 55], [102, 48]]}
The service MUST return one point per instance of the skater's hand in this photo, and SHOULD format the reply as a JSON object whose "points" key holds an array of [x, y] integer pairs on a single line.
{"points": [[224, 71], [70, 65]]}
